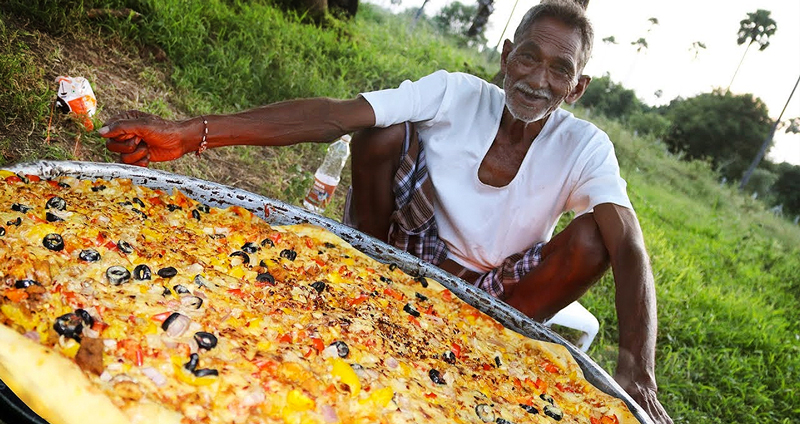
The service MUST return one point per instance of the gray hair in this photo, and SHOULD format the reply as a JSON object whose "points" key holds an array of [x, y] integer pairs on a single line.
{"points": [[570, 12]]}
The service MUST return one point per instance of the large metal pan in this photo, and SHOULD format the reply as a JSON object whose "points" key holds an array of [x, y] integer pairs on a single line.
{"points": [[276, 212]]}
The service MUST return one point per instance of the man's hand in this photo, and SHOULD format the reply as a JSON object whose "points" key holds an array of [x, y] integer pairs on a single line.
{"points": [[644, 395], [141, 138]]}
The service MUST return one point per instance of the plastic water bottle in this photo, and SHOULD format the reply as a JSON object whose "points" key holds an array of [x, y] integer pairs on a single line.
{"points": [[328, 175]]}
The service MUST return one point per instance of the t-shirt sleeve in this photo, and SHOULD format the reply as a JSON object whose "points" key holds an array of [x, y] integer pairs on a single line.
{"points": [[599, 181], [411, 101]]}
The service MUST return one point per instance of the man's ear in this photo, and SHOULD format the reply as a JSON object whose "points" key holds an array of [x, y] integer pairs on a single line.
{"points": [[580, 88], [507, 47]]}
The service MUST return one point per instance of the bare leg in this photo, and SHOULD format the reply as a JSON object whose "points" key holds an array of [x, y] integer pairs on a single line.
{"points": [[572, 261], [376, 157]]}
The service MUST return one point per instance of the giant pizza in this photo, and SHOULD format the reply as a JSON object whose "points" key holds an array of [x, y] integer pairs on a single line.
{"points": [[124, 304]]}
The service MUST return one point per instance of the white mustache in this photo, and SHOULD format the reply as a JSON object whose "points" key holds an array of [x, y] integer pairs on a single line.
{"points": [[540, 92]]}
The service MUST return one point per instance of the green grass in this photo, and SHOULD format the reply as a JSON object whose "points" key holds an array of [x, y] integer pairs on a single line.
{"points": [[727, 272]]}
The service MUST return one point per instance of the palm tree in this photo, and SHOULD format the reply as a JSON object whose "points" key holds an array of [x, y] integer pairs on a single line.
{"points": [[610, 40], [696, 47], [641, 44], [757, 28]]}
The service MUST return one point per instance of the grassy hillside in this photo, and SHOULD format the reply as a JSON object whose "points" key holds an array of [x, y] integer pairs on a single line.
{"points": [[727, 272]]}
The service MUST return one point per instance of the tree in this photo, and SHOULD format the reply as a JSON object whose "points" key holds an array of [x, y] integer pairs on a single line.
{"points": [[455, 19], [641, 44], [787, 187], [610, 99], [719, 126], [610, 40], [484, 10], [756, 28], [697, 46]]}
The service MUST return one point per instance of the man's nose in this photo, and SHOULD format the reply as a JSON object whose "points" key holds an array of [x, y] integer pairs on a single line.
{"points": [[537, 77]]}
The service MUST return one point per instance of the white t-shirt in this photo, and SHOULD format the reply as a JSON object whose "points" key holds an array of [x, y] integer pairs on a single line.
{"points": [[569, 166]]}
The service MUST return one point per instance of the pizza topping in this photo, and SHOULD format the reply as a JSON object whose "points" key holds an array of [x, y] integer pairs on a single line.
{"points": [[191, 302], [449, 357], [244, 258], [503, 421], [56, 203], [85, 317], [2, 231], [547, 398], [153, 374], [89, 255], [529, 408], [53, 241], [319, 286], [69, 325], [436, 377], [124, 246], [203, 208], [267, 242], [200, 281], [20, 208], [180, 289], [98, 188], [24, 284], [421, 297], [142, 272], [90, 355], [497, 362], [265, 277], [484, 412], [167, 272], [17, 222], [205, 340], [288, 254], [173, 208], [205, 372], [411, 311], [195, 214], [176, 324], [341, 348], [51, 217], [250, 247], [118, 275], [128, 389], [553, 412], [192, 364]]}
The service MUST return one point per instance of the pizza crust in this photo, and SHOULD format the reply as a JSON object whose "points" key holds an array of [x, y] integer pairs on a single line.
{"points": [[51, 385]]}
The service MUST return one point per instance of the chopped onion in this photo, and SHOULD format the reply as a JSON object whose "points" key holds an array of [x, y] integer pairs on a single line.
{"points": [[32, 335], [330, 352], [153, 374], [253, 398], [392, 363], [328, 413], [194, 268], [105, 377], [178, 326], [110, 343], [92, 334]]}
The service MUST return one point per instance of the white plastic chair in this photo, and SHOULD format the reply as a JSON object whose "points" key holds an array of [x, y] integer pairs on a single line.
{"points": [[577, 317]]}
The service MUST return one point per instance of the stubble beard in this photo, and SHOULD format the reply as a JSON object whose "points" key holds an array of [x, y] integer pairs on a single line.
{"points": [[527, 114]]}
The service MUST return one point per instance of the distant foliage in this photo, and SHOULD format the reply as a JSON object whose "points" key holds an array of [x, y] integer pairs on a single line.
{"points": [[455, 19], [611, 99], [725, 128], [787, 187]]}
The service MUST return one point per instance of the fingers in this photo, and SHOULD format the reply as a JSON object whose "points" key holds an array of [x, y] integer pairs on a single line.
{"points": [[123, 144], [139, 156]]}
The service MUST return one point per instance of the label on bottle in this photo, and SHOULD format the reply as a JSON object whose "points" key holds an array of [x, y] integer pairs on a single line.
{"points": [[320, 194]]}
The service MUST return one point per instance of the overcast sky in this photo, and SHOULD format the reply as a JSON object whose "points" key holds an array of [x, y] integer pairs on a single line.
{"points": [[668, 64]]}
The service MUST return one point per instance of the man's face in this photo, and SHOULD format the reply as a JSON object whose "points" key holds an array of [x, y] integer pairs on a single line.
{"points": [[541, 70]]}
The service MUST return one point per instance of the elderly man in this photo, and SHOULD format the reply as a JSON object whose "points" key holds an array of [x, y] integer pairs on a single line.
{"points": [[473, 178]]}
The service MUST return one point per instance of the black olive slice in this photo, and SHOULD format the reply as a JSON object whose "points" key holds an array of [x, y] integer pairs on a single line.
{"points": [[265, 277], [138, 212], [329, 245], [250, 247], [124, 246], [547, 398], [56, 203], [173, 208], [449, 357], [319, 286], [51, 217], [203, 208], [267, 241], [245, 257], [24, 284], [204, 372], [411, 311], [192, 302], [138, 201], [553, 412], [85, 317], [180, 289], [2, 231], [497, 362], [201, 281], [167, 272], [529, 409], [118, 275], [192, 364], [69, 325], [172, 317], [142, 272], [89, 255], [392, 266], [341, 348], [205, 340], [64, 185], [19, 207], [422, 281], [484, 412], [503, 421], [195, 214], [288, 254], [421, 297], [17, 222], [53, 242], [436, 376], [97, 188]]}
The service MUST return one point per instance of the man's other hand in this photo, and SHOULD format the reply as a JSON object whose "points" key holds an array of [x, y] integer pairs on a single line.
{"points": [[645, 396]]}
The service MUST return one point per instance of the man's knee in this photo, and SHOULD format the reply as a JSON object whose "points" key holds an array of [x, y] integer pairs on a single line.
{"points": [[373, 147], [586, 243]]}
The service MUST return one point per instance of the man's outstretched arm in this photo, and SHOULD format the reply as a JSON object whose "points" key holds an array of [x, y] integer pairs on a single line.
{"points": [[142, 138], [636, 305]]}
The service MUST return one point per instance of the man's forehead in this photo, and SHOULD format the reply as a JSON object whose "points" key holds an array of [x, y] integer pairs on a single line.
{"points": [[547, 29]]}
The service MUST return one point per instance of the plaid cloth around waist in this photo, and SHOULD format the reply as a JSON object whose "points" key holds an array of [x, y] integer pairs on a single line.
{"points": [[413, 226]]}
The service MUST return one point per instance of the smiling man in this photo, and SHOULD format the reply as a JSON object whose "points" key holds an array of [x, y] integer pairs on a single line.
{"points": [[473, 178]]}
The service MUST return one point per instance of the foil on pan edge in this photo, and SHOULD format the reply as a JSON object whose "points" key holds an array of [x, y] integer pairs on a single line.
{"points": [[276, 212]]}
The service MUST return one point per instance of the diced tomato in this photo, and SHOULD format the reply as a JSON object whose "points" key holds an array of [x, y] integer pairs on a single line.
{"points": [[275, 237], [549, 367], [286, 338], [393, 293], [319, 261], [236, 292], [33, 178], [309, 243], [266, 211], [594, 420], [430, 395], [318, 344], [428, 310], [16, 295], [155, 201], [133, 351], [161, 317], [184, 349], [357, 300], [413, 320], [447, 295], [370, 342], [13, 179], [487, 367], [343, 270], [52, 183], [99, 326], [609, 419], [266, 365], [540, 384], [456, 349], [110, 245], [35, 218]]}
